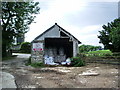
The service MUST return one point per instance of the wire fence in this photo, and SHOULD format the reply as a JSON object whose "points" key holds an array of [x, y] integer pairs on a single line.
{"points": [[113, 58]]}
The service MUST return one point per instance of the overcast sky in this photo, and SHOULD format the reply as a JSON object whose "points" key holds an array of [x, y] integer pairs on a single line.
{"points": [[82, 18]]}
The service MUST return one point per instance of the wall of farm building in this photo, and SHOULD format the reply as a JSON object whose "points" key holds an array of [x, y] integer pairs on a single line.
{"points": [[52, 33], [75, 48], [37, 54]]}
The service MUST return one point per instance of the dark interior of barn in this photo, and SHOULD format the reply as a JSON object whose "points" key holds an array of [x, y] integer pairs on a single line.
{"points": [[65, 43]]}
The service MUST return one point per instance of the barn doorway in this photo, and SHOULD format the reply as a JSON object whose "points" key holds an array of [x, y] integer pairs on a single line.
{"points": [[58, 48]]}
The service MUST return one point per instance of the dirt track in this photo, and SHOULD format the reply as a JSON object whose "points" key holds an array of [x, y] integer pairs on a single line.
{"points": [[61, 77]]}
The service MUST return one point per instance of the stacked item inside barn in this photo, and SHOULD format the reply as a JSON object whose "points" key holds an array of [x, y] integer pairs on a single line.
{"points": [[61, 57], [54, 55]]}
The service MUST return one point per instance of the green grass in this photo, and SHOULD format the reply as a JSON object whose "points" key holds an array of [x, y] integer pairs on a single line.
{"points": [[37, 65], [100, 53]]}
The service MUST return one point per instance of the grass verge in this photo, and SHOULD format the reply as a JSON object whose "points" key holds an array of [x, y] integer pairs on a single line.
{"points": [[9, 57]]}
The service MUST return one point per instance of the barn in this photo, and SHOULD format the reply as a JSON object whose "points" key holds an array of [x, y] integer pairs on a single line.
{"points": [[55, 42]]}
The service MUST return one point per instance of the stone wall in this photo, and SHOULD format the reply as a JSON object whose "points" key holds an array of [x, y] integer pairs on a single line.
{"points": [[37, 55]]}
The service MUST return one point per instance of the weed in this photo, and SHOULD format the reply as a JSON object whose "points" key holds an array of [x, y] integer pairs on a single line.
{"points": [[28, 62], [37, 64], [77, 62]]}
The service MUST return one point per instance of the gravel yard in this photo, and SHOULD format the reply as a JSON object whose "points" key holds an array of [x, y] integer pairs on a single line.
{"points": [[90, 76]]}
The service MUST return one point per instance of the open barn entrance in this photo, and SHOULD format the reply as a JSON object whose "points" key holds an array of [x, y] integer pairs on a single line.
{"points": [[58, 48]]}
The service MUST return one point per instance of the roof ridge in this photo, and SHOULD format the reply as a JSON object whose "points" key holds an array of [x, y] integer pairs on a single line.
{"points": [[44, 32], [53, 27], [68, 33]]}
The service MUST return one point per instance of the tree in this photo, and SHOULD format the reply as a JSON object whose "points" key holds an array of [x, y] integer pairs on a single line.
{"points": [[16, 18], [86, 48], [110, 36]]}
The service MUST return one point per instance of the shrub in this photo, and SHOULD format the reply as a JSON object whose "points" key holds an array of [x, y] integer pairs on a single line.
{"points": [[77, 62], [25, 47]]}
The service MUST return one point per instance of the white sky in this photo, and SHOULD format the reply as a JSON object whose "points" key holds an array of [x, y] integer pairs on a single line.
{"points": [[82, 18]]}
